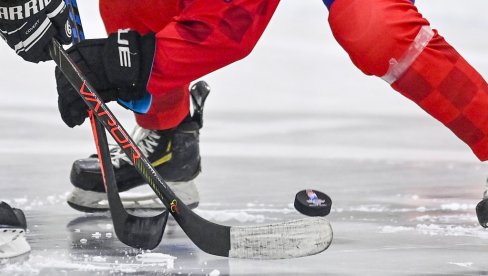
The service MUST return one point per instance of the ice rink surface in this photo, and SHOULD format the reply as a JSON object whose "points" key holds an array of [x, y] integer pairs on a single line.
{"points": [[295, 114]]}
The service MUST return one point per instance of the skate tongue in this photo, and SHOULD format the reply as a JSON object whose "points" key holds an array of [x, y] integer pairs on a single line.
{"points": [[199, 92]]}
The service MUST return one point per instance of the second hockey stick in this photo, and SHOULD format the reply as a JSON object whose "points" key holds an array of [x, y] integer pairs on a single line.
{"points": [[289, 239], [138, 232]]}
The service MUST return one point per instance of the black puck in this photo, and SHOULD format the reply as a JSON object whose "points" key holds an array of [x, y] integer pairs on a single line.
{"points": [[313, 203]]}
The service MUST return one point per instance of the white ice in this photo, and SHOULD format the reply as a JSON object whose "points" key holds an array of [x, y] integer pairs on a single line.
{"points": [[295, 114]]}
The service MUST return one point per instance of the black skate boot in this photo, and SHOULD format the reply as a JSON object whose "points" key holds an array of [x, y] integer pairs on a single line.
{"points": [[482, 208], [174, 154], [12, 232]]}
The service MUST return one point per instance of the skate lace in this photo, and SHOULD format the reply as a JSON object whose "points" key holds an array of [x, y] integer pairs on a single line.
{"points": [[145, 139]]}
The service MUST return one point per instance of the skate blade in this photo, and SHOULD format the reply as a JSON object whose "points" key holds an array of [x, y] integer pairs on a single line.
{"points": [[13, 243], [135, 199]]}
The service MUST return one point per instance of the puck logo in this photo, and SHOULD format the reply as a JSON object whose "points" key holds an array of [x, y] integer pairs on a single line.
{"points": [[313, 199]]}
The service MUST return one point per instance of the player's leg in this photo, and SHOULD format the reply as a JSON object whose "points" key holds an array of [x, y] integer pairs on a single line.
{"points": [[173, 152], [171, 146], [203, 37], [167, 135], [391, 39]]}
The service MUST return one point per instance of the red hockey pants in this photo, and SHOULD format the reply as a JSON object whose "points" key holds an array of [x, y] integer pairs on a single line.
{"points": [[194, 38]]}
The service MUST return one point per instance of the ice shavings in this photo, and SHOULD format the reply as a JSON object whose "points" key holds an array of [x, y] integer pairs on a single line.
{"points": [[210, 204], [458, 207], [394, 229], [214, 272], [461, 264], [41, 264], [99, 259], [421, 209], [159, 258], [447, 218], [19, 201], [451, 230], [253, 204], [377, 208], [438, 230], [268, 210], [381, 208], [26, 203], [19, 269], [373, 208], [38, 263], [229, 215]]}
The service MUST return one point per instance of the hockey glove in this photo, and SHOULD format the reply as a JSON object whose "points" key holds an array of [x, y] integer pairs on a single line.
{"points": [[29, 25], [117, 67]]}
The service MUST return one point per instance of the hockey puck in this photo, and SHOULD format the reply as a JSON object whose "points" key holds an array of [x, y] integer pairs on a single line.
{"points": [[313, 203]]}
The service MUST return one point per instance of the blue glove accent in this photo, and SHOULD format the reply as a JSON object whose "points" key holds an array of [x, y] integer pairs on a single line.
{"points": [[140, 106]]}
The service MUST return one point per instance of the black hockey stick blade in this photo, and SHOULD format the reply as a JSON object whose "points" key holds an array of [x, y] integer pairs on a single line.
{"points": [[482, 212], [137, 232], [288, 239]]}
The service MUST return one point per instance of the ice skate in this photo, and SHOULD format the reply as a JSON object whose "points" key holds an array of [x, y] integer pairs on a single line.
{"points": [[12, 232], [173, 153]]}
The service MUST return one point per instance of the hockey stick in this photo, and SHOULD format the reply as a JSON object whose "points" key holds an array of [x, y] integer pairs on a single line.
{"points": [[289, 239], [138, 232], [74, 16]]}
